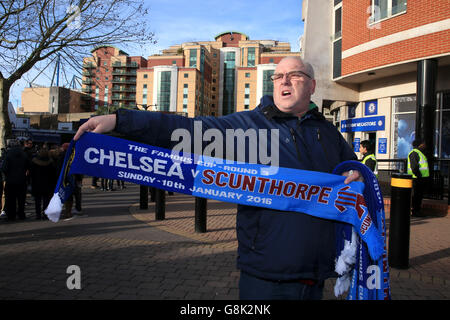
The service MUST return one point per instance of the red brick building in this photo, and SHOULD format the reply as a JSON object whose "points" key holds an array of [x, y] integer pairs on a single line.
{"points": [[109, 77], [386, 61]]}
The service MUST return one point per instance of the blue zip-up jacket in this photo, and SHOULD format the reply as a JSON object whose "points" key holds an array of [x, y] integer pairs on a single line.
{"points": [[273, 244]]}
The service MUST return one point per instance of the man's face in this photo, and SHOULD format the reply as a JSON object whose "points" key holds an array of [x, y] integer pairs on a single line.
{"points": [[362, 150], [289, 95]]}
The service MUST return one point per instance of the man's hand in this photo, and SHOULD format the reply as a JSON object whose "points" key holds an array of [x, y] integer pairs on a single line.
{"points": [[99, 124], [352, 175]]}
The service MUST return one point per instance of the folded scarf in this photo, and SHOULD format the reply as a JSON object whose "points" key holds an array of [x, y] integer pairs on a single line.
{"points": [[318, 194]]}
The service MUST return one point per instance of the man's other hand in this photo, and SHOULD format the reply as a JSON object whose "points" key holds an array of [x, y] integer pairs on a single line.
{"points": [[99, 124]]}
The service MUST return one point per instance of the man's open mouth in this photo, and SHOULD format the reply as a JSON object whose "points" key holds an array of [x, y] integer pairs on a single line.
{"points": [[285, 93]]}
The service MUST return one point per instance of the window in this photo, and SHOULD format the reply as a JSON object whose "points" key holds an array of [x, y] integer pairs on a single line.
{"points": [[145, 76], [186, 75], [271, 60], [185, 85], [193, 58], [403, 125], [164, 91], [145, 86], [337, 39], [338, 23], [383, 9], [247, 74], [251, 57], [267, 83]]}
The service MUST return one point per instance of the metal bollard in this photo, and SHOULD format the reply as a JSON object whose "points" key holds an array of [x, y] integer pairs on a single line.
{"points": [[399, 227], [143, 197], [160, 204], [200, 215]]}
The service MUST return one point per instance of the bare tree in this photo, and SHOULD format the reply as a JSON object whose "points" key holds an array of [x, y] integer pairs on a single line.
{"points": [[32, 31]]}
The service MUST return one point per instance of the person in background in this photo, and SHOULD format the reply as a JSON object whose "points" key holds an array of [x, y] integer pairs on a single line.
{"points": [[16, 168], [418, 168], [367, 150], [43, 176]]}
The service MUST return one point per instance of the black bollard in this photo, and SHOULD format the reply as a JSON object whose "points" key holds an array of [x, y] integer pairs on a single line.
{"points": [[399, 226], [160, 204], [200, 215], [143, 197]]}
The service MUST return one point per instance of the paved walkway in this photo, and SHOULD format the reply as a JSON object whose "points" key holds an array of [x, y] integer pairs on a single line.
{"points": [[123, 253]]}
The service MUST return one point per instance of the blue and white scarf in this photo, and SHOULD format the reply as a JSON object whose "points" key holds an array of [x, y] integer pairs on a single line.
{"points": [[318, 194]]}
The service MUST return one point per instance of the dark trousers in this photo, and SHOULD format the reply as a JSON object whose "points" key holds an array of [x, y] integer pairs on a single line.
{"points": [[15, 195], [41, 203], [252, 288], [419, 186], [77, 195]]}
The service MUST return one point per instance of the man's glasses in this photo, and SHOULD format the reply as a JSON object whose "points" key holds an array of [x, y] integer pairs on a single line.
{"points": [[292, 75]]}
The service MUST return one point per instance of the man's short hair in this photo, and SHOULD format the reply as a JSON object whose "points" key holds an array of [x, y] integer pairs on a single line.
{"points": [[416, 143], [369, 146], [308, 67]]}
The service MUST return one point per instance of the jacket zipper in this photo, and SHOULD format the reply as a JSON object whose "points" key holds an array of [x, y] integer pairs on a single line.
{"points": [[321, 144], [295, 142]]}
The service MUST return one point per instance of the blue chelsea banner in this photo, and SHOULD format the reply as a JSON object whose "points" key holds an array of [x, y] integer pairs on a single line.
{"points": [[363, 124]]}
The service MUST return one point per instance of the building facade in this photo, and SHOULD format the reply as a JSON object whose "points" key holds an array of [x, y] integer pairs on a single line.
{"points": [[382, 70], [109, 78], [214, 78], [53, 100]]}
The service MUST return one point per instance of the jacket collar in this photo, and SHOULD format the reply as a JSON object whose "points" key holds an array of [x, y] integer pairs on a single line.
{"points": [[270, 110]]}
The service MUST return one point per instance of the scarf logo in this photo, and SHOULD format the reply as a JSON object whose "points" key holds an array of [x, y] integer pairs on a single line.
{"points": [[352, 199]]}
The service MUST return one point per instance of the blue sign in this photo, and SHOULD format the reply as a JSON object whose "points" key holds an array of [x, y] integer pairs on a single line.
{"points": [[371, 108], [356, 144], [382, 145], [363, 124]]}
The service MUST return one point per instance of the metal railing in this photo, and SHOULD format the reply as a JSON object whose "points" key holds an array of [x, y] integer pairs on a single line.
{"points": [[438, 187]]}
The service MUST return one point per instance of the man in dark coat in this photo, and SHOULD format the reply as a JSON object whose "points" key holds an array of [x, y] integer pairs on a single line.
{"points": [[281, 254], [15, 167], [43, 178]]}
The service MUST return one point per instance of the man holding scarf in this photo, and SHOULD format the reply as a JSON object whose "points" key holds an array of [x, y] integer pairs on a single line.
{"points": [[281, 254]]}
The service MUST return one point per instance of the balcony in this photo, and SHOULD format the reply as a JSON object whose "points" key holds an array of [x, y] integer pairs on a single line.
{"points": [[125, 65], [123, 97], [87, 81], [129, 81], [124, 73], [88, 74], [89, 65], [123, 89], [87, 90]]}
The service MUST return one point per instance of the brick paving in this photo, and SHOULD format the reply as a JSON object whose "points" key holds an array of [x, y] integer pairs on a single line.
{"points": [[123, 253]]}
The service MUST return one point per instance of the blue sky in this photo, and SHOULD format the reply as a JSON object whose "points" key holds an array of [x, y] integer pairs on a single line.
{"points": [[178, 21]]}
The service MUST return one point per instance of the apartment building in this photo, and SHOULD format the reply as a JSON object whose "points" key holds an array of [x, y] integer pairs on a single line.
{"points": [[382, 70], [214, 78], [109, 77]]}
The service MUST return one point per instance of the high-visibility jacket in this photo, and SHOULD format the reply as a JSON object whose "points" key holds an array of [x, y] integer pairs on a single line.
{"points": [[423, 164], [372, 157]]}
